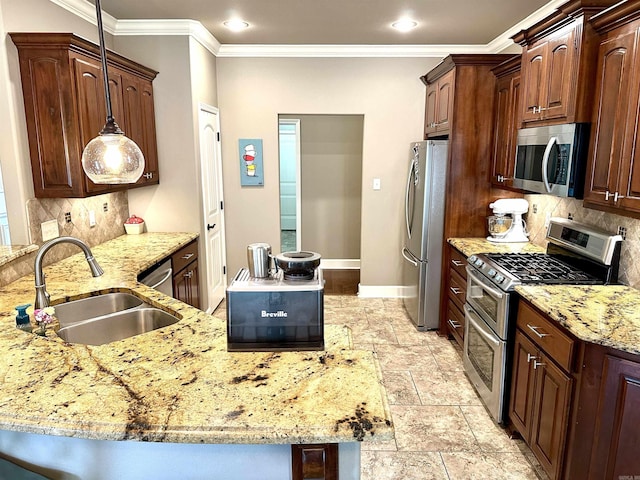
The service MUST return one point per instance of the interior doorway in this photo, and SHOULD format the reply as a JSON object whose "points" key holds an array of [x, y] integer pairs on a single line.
{"points": [[324, 155]]}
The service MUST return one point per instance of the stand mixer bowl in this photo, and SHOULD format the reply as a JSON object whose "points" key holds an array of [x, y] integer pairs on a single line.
{"points": [[499, 225]]}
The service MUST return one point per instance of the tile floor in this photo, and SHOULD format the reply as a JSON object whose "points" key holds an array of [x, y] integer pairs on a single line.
{"points": [[442, 430]]}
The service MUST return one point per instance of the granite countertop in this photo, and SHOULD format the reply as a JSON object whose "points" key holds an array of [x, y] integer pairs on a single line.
{"points": [[607, 315], [472, 246], [178, 383], [9, 253]]}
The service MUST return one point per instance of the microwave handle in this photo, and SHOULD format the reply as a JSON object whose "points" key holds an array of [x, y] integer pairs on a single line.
{"points": [[545, 163]]}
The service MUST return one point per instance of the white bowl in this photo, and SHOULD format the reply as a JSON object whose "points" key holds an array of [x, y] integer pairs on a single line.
{"points": [[134, 228]]}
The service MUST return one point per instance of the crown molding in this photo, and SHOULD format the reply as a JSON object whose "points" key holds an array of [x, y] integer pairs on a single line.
{"points": [[198, 32], [87, 11]]}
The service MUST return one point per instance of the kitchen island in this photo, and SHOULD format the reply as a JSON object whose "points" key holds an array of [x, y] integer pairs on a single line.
{"points": [[180, 400]]}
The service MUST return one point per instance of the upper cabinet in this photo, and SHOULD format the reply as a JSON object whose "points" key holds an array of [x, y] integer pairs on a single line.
{"points": [[558, 51], [505, 125], [613, 172], [65, 108], [438, 105]]}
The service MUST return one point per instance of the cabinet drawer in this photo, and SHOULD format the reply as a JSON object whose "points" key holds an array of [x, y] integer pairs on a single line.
{"points": [[546, 335], [458, 262], [455, 322], [184, 256], [457, 289]]}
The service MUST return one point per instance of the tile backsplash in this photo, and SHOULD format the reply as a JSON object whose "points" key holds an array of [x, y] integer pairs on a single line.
{"points": [[72, 214], [547, 205]]}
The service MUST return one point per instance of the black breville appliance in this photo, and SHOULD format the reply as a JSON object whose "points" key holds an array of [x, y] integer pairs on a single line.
{"points": [[576, 255], [277, 313]]}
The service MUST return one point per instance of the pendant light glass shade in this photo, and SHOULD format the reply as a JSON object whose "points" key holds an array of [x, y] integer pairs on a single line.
{"points": [[111, 157]]}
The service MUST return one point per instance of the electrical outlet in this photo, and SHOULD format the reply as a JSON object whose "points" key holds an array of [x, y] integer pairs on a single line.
{"points": [[535, 208], [622, 231], [67, 217], [105, 207], [570, 216], [49, 230], [92, 218]]}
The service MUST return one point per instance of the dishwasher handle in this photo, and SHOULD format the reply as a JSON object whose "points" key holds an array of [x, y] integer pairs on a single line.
{"points": [[168, 275]]}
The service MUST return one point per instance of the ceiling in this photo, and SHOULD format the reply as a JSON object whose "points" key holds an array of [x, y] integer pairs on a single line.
{"points": [[340, 22]]}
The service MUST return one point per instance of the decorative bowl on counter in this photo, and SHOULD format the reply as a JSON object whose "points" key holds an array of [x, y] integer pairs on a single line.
{"points": [[134, 225]]}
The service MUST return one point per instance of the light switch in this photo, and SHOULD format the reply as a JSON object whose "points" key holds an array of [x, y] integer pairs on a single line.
{"points": [[49, 230], [376, 184]]}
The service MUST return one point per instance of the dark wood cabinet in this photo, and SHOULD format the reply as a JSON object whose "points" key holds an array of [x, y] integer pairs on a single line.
{"points": [[506, 122], [558, 60], [65, 108], [456, 288], [438, 105], [186, 284], [541, 387], [613, 172]]}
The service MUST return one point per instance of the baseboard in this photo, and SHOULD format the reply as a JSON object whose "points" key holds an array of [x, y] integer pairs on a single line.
{"points": [[380, 291], [339, 264]]}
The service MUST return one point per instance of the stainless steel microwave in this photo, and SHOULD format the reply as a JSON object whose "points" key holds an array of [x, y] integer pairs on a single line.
{"points": [[552, 159]]}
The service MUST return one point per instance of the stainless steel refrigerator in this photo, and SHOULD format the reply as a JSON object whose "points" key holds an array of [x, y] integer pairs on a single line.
{"points": [[423, 236]]}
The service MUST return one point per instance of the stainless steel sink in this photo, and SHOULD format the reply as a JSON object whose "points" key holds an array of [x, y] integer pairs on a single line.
{"points": [[116, 326], [92, 307]]}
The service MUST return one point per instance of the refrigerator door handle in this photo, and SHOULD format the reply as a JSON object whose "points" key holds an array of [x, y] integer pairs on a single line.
{"points": [[409, 257], [409, 221]]}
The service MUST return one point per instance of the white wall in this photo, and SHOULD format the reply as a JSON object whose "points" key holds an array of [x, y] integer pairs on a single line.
{"points": [[387, 91]]}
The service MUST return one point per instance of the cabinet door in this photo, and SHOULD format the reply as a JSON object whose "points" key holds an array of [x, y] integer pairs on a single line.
{"points": [[559, 67], [506, 130], [444, 101], [550, 420], [533, 72], [186, 285], [615, 454], [430, 109], [522, 384], [92, 110], [612, 113]]}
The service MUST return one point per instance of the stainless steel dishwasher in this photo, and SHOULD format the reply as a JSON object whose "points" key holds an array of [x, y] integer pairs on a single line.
{"points": [[160, 277]]}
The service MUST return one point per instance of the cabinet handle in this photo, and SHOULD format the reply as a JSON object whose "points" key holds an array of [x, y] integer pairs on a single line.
{"points": [[148, 175], [457, 263], [187, 256], [531, 357], [537, 364], [189, 274], [210, 227], [616, 197], [455, 325], [456, 291], [534, 329]]}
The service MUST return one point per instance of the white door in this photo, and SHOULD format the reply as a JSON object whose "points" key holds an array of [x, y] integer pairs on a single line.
{"points": [[212, 200]]}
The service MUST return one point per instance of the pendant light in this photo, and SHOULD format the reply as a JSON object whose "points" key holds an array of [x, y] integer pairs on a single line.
{"points": [[111, 157]]}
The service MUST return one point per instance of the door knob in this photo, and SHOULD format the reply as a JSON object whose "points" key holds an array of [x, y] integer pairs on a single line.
{"points": [[210, 227]]}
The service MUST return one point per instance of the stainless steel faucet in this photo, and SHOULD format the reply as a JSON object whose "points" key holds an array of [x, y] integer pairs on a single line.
{"points": [[42, 297]]}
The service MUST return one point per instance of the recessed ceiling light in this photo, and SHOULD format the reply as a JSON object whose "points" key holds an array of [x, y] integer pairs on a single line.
{"points": [[236, 25], [404, 25]]}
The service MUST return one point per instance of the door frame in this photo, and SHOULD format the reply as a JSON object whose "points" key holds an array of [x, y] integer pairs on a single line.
{"points": [[296, 122], [203, 107]]}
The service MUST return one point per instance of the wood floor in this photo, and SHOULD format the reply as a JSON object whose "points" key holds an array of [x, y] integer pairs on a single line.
{"points": [[341, 282]]}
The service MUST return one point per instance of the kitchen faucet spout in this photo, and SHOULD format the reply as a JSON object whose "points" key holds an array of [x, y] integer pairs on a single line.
{"points": [[42, 296]]}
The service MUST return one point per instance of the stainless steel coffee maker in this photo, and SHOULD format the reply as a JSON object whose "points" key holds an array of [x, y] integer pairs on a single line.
{"points": [[259, 259]]}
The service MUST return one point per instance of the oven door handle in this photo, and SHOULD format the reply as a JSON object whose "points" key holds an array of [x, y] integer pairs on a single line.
{"points": [[497, 294], [483, 329], [545, 163]]}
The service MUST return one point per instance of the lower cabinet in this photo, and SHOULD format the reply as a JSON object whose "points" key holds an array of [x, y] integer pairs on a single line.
{"points": [[541, 389], [456, 288], [186, 284]]}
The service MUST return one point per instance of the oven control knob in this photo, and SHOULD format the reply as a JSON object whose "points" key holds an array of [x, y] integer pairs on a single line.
{"points": [[472, 259], [492, 272], [478, 262], [499, 278]]}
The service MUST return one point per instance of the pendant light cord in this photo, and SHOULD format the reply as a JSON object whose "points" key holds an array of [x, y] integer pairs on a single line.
{"points": [[110, 126]]}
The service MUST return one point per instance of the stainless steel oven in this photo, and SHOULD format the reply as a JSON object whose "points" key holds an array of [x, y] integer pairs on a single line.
{"points": [[485, 341]]}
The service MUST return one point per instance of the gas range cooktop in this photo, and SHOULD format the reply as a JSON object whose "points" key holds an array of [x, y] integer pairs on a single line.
{"points": [[576, 255]]}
